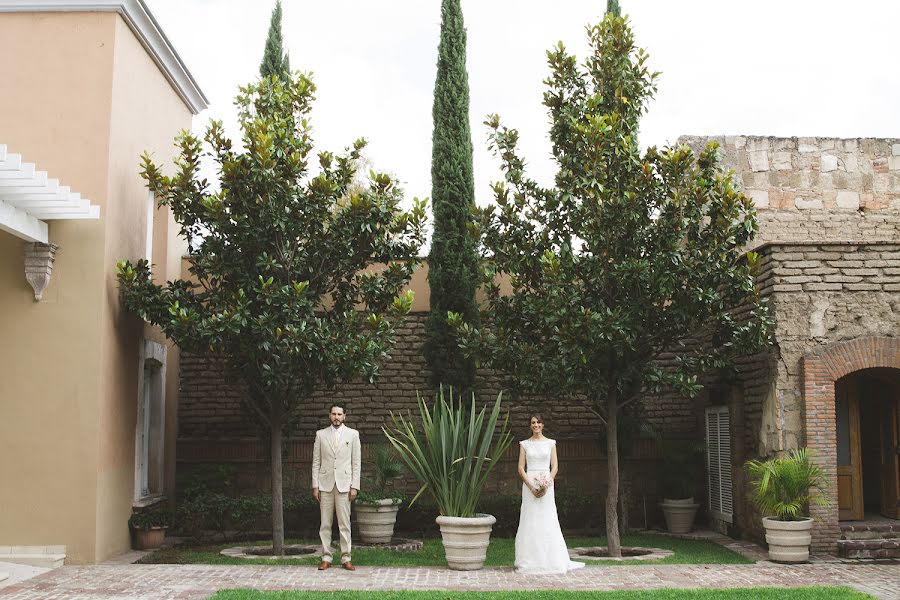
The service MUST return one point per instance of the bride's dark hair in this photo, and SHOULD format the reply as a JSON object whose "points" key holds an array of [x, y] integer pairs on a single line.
{"points": [[537, 416]]}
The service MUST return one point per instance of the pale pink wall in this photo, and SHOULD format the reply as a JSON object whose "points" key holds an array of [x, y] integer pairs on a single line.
{"points": [[146, 115], [54, 110], [82, 99]]}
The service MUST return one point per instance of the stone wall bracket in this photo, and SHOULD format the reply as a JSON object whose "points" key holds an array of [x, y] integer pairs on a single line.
{"points": [[38, 266]]}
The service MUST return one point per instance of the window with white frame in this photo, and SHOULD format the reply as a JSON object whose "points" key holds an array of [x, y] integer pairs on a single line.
{"points": [[149, 441], [718, 453]]}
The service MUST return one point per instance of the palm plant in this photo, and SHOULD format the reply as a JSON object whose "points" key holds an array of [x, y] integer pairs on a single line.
{"points": [[450, 449], [784, 486], [386, 467]]}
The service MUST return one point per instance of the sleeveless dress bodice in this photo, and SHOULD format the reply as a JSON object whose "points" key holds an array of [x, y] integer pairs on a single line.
{"points": [[537, 454]]}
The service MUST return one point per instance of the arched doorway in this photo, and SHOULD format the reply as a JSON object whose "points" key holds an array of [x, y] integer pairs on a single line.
{"points": [[844, 370], [866, 428]]}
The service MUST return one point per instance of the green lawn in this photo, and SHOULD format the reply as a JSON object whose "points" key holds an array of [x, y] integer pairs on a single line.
{"points": [[500, 553], [805, 593]]}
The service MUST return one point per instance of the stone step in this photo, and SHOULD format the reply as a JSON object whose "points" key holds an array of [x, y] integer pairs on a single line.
{"points": [[4, 576], [877, 548], [48, 557], [872, 531]]}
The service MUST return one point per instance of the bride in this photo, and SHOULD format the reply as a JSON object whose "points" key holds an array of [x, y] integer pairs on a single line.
{"points": [[540, 547]]}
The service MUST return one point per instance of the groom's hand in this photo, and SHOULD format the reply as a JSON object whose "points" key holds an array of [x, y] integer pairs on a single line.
{"points": [[316, 494], [353, 493]]}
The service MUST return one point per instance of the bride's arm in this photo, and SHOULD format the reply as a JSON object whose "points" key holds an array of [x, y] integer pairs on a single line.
{"points": [[554, 463], [522, 475]]}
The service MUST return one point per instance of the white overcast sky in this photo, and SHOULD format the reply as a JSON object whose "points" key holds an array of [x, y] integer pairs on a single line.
{"points": [[760, 67]]}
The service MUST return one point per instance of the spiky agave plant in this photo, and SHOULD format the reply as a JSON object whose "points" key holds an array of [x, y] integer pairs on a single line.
{"points": [[784, 486], [451, 449]]}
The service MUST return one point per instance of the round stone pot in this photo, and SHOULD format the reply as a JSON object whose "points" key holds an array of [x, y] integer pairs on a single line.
{"points": [[149, 539], [466, 540], [376, 520], [788, 540], [679, 514]]}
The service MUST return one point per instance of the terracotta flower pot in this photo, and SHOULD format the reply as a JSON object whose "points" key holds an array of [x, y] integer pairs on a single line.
{"points": [[149, 539], [788, 540], [466, 540], [376, 520]]}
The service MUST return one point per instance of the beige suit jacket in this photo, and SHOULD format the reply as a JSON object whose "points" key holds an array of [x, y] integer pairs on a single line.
{"points": [[336, 467]]}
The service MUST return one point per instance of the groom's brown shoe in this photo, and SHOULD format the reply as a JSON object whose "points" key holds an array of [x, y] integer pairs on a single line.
{"points": [[324, 565], [349, 566]]}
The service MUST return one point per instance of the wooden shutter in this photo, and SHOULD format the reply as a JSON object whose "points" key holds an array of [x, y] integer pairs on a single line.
{"points": [[718, 463]]}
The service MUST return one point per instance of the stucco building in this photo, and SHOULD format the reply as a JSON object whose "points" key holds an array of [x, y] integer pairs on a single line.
{"points": [[88, 394]]}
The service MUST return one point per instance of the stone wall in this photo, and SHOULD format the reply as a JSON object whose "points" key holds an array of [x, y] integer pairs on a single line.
{"points": [[817, 189], [822, 294], [813, 196]]}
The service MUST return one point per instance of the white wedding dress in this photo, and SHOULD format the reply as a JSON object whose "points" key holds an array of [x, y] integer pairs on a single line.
{"points": [[540, 547]]}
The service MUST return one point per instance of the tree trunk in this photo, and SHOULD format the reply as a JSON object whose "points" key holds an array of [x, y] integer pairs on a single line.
{"points": [[277, 499], [612, 460]]}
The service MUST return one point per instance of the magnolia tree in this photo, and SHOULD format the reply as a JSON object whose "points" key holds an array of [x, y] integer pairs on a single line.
{"points": [[626, 257], [297, 279]]}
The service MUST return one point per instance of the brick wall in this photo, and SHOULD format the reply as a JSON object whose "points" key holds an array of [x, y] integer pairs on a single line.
{"points": [[215, 428]]}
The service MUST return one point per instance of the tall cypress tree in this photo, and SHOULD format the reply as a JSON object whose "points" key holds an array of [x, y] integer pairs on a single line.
{"points": [[453, 262], [612, 7], [275, 60]]}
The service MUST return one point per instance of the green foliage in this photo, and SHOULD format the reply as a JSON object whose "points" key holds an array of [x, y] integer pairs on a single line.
{"points": [[681, 469], [209, 505], [451, 450], [612, 7], [150, 518], [386, 467], [281, 272], [276, 61], [297, 277], [453, 273], [625, 258], [785, 486]]}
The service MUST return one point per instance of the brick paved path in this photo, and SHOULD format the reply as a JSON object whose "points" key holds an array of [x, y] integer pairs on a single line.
{"points": [[181, 582]]}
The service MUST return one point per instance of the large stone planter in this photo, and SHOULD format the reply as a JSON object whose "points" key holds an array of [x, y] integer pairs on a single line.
{"points": [[466, 540], [679, 514], [788, 540], [149, 539], [376, 520]]}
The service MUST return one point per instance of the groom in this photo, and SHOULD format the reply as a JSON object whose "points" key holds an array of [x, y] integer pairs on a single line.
{"points": [[335, 482]]}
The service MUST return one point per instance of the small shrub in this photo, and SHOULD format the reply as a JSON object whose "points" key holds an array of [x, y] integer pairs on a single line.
{"points": [[783, 487], [148, 519], [387, 468]]}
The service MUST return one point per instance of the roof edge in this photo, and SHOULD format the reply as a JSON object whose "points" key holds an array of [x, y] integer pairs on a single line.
{"points": [[145, 27]]}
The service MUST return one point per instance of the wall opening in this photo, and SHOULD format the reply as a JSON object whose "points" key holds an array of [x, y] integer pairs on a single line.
{"points": [[149, 440]]}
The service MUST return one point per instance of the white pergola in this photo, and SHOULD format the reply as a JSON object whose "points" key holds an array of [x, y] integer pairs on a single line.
{"points": [[28, 198]]}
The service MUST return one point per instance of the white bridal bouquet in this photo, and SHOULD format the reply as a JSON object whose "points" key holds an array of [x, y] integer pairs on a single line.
{"points": [[543, 481]]}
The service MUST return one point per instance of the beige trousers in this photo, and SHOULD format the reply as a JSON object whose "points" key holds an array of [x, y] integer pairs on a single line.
{"points": [[330, 503]]}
